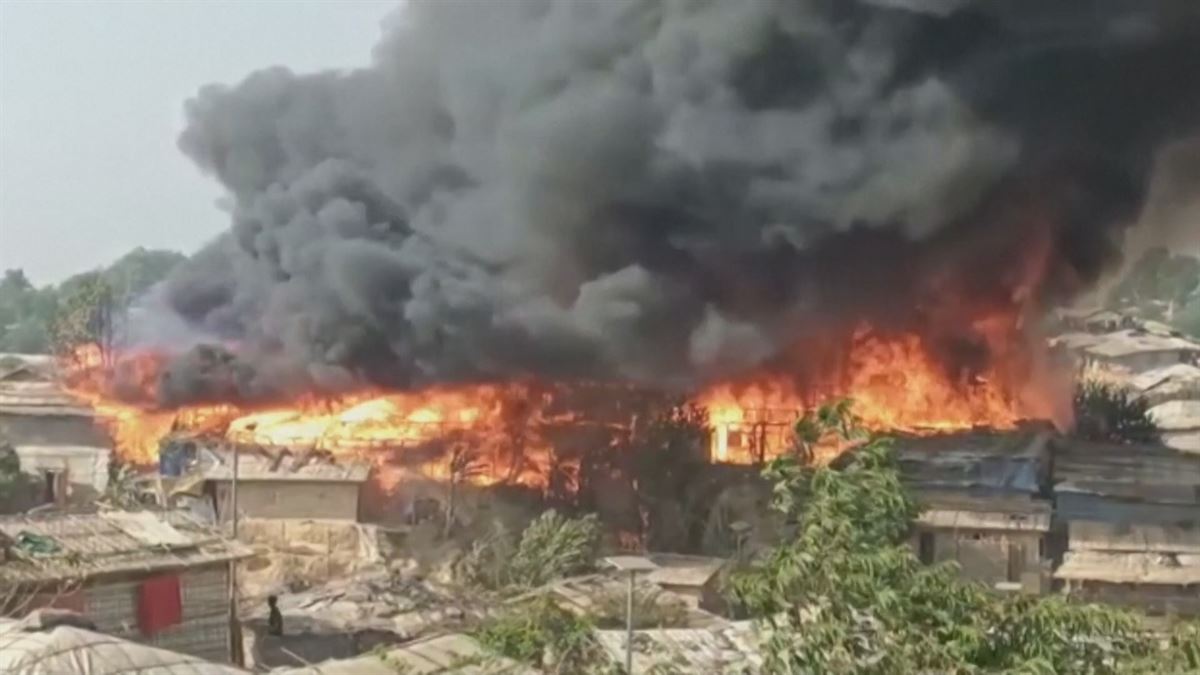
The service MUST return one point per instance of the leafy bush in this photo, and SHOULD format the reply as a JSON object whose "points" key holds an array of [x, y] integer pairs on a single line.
{"points": [[551, 547], [1108, 413], [844, 594], [540, 633]]}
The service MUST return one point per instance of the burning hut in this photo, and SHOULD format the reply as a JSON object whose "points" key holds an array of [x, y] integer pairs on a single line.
{"points": [[280, 483], [160, 578]]}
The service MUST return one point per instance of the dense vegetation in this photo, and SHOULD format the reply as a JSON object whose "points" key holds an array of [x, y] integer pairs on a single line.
{"points": [[1106, 412], [1164, 287], [842, 592], [32, 319]]}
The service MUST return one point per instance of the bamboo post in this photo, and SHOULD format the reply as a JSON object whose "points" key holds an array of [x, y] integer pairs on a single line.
{"points": [[235, 635]]}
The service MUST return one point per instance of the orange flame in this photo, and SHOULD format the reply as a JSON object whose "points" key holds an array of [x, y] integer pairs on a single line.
{"points": [[896, 381]]}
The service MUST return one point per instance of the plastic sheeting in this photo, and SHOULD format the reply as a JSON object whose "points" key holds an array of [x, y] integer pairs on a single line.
{"points": [[69, 650]]}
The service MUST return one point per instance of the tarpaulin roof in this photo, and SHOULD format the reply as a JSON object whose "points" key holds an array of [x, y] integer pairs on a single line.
{"points": [[69, 650]]}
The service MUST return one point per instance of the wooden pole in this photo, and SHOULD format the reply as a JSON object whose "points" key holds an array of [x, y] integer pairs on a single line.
{"points": [[629, 625], [235, 629]]}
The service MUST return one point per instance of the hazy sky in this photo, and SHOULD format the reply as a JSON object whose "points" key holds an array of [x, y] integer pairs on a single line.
{"points": [[91, 100]]}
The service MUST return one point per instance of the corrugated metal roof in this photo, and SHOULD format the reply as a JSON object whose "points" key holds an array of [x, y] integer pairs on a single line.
{"points": [[1142, 472], [85, 545], [1013, 462], [1130, 568], [256, 463], [986, 520]]}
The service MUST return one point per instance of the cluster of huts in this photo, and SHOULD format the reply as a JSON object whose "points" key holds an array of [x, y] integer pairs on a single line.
{"points": [[1035, 512], [1153, 361], [1028, 511]]}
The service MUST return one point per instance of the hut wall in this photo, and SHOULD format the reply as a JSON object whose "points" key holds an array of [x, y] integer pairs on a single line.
{"points": [[204, 629], [313, 500], [989, 557], [51, 430], [1157, 600]]}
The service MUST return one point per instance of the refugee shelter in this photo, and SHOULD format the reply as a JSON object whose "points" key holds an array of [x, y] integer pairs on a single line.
{"points": [[50, 647], [1124, 483], [1133, 524], [1155, 568], [982, 503], [1138, 351], [36, 410], [282, 483], [1179, 424], [1178, 382], [159, 578]]}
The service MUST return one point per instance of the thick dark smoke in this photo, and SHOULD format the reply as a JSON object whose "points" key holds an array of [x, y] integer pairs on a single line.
{"points": [[662, 190]]}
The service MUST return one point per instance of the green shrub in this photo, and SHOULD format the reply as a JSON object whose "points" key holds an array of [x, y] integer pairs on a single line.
{"points": [[551, 547], [1108, 413], [538, 632]]}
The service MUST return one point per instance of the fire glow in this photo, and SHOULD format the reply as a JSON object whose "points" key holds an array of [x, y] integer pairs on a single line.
{"points": [[896, 382]]}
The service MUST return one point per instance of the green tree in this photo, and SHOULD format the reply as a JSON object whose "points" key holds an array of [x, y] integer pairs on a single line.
{"points": [[1108, 413], [32, 319], [137, 271], [666, 450], [843, 592], [87, 314]]}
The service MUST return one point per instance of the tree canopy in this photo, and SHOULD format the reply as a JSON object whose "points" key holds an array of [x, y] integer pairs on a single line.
{"points": [[33, 319]]}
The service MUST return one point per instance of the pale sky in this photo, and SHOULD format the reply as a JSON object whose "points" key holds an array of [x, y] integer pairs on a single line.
{"points": [[91, 101]]}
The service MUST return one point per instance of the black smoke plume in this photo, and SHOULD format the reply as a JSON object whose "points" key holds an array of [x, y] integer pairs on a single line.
{"points": [[664, 190]]}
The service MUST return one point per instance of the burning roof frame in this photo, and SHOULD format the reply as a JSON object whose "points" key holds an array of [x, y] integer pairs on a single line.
{"points": [[102, 543], [259, 463]]}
